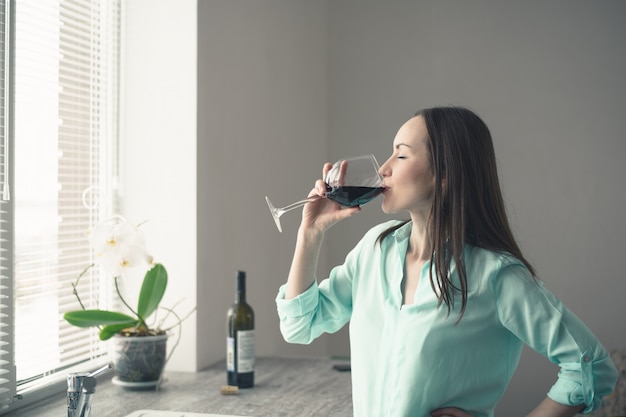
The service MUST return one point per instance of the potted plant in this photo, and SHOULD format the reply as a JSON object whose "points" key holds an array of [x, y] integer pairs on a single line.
{"points": [[139, 348]]}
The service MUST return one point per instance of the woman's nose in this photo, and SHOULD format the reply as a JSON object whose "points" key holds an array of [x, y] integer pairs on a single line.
{"points": [[383, 169]]}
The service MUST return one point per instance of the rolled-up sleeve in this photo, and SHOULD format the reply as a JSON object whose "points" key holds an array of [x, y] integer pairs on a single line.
{"points": [[320, 309], [325, 307], [540, 320], [296, 314], [585, 382]]}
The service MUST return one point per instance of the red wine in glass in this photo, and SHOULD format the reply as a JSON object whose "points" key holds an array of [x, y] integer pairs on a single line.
{"points": [[350, 182], [352, 196]]}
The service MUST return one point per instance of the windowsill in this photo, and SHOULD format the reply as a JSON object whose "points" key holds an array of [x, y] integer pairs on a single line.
{"points": [[294, 386]]}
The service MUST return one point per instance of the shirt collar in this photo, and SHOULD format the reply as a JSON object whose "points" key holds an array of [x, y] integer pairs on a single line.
{"points": [[403, 232]]}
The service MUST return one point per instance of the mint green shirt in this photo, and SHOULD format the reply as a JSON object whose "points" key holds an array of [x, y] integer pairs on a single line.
{"points": [[408, 360]]}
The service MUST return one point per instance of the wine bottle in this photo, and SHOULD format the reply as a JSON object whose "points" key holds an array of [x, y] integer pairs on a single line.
{"points": [[240, 339]]}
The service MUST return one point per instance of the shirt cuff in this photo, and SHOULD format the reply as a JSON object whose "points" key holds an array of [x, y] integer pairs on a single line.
{"points": [[297, 306], [575, 385]]}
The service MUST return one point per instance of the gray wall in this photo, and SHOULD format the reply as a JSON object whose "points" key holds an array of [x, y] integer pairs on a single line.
{"points": [[262, 130], [285, 85]]}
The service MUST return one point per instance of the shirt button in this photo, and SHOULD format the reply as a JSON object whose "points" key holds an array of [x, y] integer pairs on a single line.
{"points": [[587, 359]]}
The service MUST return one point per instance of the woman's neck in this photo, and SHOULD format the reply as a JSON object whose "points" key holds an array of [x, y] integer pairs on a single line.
{"points": [[419, 242]]}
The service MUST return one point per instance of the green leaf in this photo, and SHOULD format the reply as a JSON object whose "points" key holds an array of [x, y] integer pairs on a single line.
{"points": [[92, 318], [152, 290], [109, 331]]}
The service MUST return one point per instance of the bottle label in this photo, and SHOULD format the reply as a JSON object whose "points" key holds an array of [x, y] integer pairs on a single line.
{"points": [[245, 351], [230, 354]]}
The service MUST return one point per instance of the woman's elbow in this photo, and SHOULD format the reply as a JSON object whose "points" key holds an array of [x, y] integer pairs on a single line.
{"points": [[295, 334]]}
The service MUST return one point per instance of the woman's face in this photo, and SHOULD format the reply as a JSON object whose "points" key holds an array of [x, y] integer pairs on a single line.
{"points": [[408, 176]]}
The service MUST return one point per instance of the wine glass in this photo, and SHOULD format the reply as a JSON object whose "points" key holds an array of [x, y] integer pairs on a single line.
{"points": [[350, 182]]}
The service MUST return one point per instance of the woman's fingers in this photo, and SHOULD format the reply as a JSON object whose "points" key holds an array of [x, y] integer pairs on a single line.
{"points": [[449, 412], [320, 187], [325, 169], [343, 167]]}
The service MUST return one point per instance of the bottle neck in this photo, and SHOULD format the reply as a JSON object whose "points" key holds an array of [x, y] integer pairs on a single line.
{"points": [[240, 294]]}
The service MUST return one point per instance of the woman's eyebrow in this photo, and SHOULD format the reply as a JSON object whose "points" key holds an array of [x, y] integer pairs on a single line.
{"points": [[399, 145]]}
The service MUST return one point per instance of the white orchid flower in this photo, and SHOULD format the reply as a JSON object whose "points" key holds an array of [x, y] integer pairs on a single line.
{"points": [[119, 246]]}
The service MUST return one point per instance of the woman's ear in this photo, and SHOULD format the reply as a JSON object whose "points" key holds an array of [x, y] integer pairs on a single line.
{"points": [[444, 187]]}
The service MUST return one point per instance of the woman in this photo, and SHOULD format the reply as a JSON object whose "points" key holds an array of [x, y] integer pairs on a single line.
{"points": [[439, 306]]}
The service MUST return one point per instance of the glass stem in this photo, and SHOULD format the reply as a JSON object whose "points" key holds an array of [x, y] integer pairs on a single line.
{"points": [[299, 203]]}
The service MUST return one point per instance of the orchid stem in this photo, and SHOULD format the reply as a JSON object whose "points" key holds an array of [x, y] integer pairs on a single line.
{"points": [[75, 285], [117, 289]]}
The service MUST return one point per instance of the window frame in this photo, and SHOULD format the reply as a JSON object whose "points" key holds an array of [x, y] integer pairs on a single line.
{"points": [[12, 394], [8, 388]]}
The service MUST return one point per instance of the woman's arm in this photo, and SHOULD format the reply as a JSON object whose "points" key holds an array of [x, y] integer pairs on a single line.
{"points": [[317, 217], [550, 408], [304, 264], [540, 320]]}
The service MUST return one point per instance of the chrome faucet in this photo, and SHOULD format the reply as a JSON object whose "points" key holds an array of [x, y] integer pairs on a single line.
{"points": [[80, 388]]}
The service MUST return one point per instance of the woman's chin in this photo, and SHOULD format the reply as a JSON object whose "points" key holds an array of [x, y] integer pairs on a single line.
{"points": [[387, 209]]}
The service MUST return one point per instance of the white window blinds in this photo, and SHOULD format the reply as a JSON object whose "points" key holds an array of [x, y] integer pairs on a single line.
{"points": [[65, 130], [7, 368]]}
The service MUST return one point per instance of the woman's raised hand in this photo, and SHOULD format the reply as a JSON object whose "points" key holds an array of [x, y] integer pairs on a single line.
{"points": [[321, 214]]}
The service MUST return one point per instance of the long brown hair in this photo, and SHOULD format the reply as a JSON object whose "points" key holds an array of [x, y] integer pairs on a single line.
{"points": [[470, 208]]}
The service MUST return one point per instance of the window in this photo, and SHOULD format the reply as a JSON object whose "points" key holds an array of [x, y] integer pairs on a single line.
{"points": [[7, 370], [64, 170]]}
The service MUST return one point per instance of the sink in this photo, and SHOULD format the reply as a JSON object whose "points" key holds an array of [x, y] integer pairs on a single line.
{"points": [[155, 413]]}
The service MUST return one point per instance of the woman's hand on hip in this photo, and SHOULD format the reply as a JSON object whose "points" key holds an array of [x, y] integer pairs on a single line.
{"points": [[449, 412]]}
